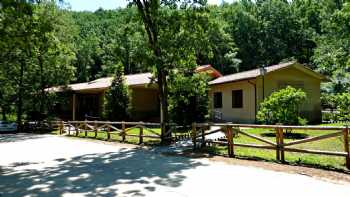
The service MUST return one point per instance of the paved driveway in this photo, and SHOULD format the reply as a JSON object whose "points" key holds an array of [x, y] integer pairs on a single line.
{"points": [[45, 165]]}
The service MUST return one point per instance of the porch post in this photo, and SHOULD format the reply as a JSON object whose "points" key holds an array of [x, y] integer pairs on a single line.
{"points": [[74, 103]]}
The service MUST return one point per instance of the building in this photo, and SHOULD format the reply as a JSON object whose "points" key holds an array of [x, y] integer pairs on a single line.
{"points": [[86, 99], [234, 97]]}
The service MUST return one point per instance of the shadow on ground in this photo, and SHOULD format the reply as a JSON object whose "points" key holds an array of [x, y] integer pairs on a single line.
{"points": [[296, 136], [97, 174], [17, 137]]}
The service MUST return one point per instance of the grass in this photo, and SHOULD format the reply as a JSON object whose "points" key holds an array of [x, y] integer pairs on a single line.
{"points": [[102, 135], [320, 161], [334, 124], [327, 162]]}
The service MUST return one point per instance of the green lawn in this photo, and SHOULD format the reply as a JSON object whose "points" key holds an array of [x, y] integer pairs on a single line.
{"points": [[328, 162], [330, 144], [102, 135]]}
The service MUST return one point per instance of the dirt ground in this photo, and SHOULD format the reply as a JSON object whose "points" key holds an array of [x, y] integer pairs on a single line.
{"points": [[46, 165]]}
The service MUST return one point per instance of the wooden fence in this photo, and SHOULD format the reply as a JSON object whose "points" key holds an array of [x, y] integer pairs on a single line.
{"points": [[201, 130], [123, 129]]}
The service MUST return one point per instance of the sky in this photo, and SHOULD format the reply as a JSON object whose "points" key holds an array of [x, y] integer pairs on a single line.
{"points": [[92, 5]]}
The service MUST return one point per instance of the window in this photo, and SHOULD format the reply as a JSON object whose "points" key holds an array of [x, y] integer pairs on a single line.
{"points": [[294, 84], [217, 99], [237, 98]]}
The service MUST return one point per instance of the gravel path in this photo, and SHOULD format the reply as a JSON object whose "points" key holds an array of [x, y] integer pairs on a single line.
{"points": [[46, 165]]}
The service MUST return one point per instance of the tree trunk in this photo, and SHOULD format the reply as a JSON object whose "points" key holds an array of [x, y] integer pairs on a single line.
{"points": [[164, 119], [148, 11], [3, 112], [42, 85], [20, 97]]}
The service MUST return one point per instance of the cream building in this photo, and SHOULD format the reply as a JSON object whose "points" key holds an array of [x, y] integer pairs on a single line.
{"points": [[236, 97]]}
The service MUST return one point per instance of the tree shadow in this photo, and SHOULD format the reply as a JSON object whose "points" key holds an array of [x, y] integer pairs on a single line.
{"points": [[296, 136], [16, 137], [99, 174]]}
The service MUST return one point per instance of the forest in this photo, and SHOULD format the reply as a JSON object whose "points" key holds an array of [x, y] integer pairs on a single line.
{"points": [[43, 43]]}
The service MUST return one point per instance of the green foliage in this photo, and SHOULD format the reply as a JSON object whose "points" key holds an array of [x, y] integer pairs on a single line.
{"points": [[44, 44], [37, 52], [282, 107], [332, 55], [117, 100], [107, 38], [339, 102], [188, 98], [343, 106]]}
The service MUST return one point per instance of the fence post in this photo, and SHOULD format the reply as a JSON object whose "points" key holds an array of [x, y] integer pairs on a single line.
{"points": [[203, 137], [69, 129], [123, 131], [76, 127], [61, 127], [108, 133], [85, 127], [194, 135], [141, 134], [346, 146], [95, 128], [229, 136], [281, 136], [278, 144]]}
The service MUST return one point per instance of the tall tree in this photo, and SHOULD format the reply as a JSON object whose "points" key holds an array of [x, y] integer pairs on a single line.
{"points": [[117, 105], [16, 39], [52, 50], [175, 33]]}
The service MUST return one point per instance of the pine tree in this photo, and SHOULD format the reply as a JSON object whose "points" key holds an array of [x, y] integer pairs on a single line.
{"points": [[117, 100]]}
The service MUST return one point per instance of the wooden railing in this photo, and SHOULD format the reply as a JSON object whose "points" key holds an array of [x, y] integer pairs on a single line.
{"points": [[201, 130], [123, 129]]}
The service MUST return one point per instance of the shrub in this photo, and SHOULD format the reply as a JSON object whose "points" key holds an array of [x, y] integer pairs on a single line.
{"points": [[343, 106], [188, 98], [282, 107], [339, 105], [117, 100]]}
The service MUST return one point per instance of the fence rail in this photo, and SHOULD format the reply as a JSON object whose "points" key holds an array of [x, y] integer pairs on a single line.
{"points": [[200, 131], [121, 128]]}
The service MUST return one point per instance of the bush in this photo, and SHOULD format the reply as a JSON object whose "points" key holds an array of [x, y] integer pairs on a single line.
{"points": [[282, 107], [339, 104], [117, 100], [343, 106], [188, 98]]}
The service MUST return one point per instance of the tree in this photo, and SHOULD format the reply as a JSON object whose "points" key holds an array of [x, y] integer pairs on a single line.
{"points": [[174, 31], [117, 101], [37, 54], [188, 98], [282, 107], [16, 32], [332, 55], [52, 51]]}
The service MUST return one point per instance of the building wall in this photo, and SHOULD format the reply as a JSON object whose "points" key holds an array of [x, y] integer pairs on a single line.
{"points": [[237, 115], [145, 103], [311, 109]]}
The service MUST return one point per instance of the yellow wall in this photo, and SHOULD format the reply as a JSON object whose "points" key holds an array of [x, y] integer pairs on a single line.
{"points": [[242, 115], [311, 109], [145, 103]]}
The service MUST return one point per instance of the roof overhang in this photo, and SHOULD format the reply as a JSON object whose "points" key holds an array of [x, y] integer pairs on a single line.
{"points": [[253, 74]]}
